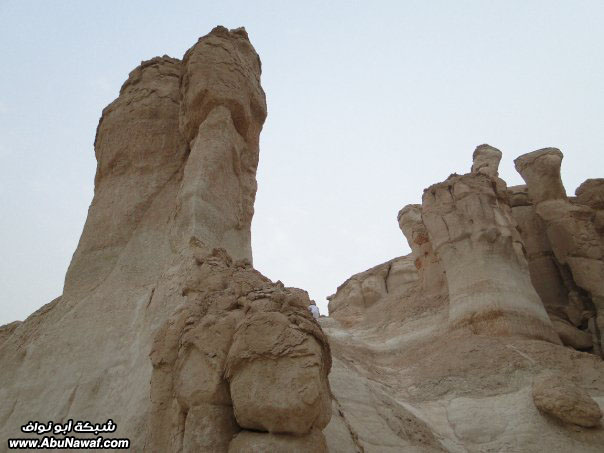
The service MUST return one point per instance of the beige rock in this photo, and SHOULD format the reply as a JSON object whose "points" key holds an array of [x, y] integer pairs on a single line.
{"points": [[560, 398], [354, 298], [541, 172], [221, 126], [161, 280], [241, 348], [486, 160], [277, 370], [338, 434], [570, 335], [572, 231], [403, 381], [473, 233], [591, 193], [208, 428], [430, 271], [139, 154], [252, 442], [546, 274], [165, 326]]}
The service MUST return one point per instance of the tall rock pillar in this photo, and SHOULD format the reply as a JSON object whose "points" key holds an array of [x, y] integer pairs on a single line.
{"points": [[472, 231], [572, 230]]}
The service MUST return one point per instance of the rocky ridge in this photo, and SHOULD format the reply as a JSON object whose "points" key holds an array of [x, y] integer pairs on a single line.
{"points": [[492, 340]]}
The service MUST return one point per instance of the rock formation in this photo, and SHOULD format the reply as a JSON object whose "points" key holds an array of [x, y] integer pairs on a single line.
{"points": [[469, 221], [487, 337], [556, 396], [163, 325], [430, 272], [465, 354], [242, 356], [573, 230]]}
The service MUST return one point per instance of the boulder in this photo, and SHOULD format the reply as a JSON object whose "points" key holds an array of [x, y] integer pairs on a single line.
{"points": [[557, 396]]}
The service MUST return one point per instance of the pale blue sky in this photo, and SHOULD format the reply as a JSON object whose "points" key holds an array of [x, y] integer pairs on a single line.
{"points": [[369, 103]]}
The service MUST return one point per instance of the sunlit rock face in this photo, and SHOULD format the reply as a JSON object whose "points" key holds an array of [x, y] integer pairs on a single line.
{"points": [[164, 326], [480, 349]]}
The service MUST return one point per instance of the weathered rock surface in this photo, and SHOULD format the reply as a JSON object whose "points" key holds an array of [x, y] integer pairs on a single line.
{"points": [[472, 231], [487, 337], [163, 325], [355, 297], [486, 160], [252, 442], [448, 361], [241, 353], [430, 271], [557, 396], [571, 228]]}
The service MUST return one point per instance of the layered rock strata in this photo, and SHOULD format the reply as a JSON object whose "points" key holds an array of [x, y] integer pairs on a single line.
{"points": [[163, 268], [469, 221], [165, 327]]}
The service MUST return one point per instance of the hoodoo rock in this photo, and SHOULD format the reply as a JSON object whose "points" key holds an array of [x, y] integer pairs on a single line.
{"points": [[459, 356], [470, 223], [163, 325], [486, 160], [487, 337], [572, 229]]}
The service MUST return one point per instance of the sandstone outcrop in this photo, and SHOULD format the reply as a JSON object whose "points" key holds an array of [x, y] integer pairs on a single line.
{"points": [[571, 230], [163, 325], [487, 337], [469, 221], [355, 296], [461, 348], [430, 272], [557, 396], [242, 354]]}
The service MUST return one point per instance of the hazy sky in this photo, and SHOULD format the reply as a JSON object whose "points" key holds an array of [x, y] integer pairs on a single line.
{"points": [[368, 104]]}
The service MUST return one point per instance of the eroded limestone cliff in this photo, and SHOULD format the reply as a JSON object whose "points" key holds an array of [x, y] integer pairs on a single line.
{"points": [[163, 325], [487, 337], [463, 352]]}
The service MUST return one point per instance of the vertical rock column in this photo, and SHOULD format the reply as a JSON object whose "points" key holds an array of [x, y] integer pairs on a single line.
{"points": [[241, 365], [139, 150], [430, 271], [473, 233], [222, 111], [553, 282], [571, 230]]}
